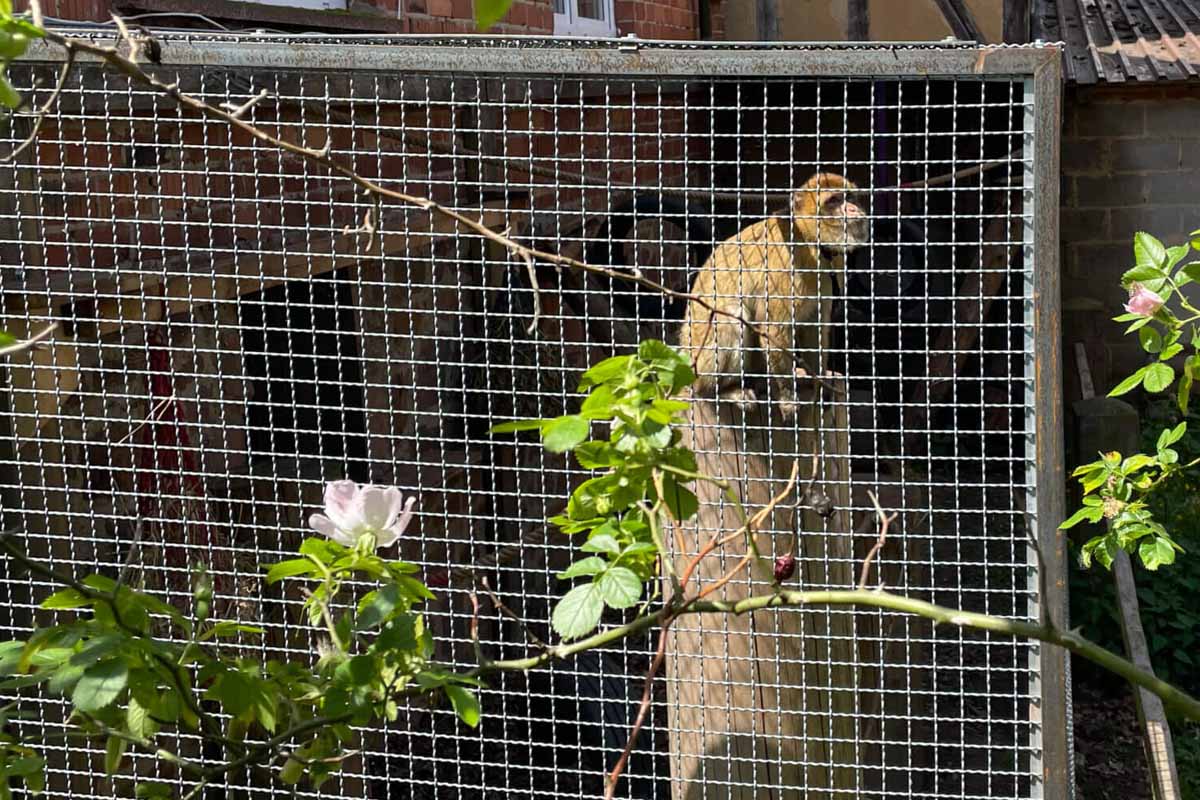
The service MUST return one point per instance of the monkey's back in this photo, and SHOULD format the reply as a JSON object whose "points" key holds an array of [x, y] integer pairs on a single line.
{"points": [[763, 273]]}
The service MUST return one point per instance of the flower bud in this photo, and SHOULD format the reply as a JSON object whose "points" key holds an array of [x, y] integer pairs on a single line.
{"points": [[1142, 301], [785, 567]]}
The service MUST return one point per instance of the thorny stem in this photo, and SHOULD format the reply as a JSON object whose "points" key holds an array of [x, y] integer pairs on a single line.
{"points": [[1188, 705]]}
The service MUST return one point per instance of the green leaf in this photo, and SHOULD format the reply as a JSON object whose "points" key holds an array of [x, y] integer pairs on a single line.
{"points": [[1170, 351], [1151, 339], [1130, 383], [1192, 270], [1148, 250], [1156, 552], [518, 425], [138, 721], [598, 404], [229, 628], [591, 565], [1175, 255], [679, 499], [1159, 376], [377, 606], [489, 12], [66, 599], [1089, 513], [465, 703], [1170, 436], [601, 543], [578, 612], [290, 569], [154, 791], [114, 751], [605, 371], [564, 433], [9, 96], [1147, 274], [620, 587], [100, 685], [596, 455]]}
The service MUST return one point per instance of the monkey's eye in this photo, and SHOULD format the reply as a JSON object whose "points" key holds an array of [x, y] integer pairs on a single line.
{"points": [[835, 202]]}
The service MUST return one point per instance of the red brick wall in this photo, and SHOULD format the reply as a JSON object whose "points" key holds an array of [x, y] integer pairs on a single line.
{"points": [[457, 16], [658, 19]]}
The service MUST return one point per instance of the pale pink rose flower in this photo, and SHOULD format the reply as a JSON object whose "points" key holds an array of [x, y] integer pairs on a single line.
{"points": [[352, 510], [1142, 301]]}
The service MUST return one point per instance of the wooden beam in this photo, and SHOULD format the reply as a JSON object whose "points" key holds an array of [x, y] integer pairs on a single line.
{"points": [[767, 13], [961, 21], [1016, 21], [858, 20], [1156, 732]]}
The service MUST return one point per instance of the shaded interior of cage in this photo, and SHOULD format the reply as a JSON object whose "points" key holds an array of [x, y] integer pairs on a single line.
{"points": [[197, 405]]}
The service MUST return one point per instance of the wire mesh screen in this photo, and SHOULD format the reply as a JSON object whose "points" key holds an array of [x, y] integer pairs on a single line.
{"points": [[240, 326]]}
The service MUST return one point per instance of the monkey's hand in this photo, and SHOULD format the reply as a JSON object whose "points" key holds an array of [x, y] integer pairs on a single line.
{"points": [[744, 398], [789, 403]]}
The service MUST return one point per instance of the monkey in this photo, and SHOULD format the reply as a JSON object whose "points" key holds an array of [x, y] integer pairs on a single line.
{"points": [[768, 274]]}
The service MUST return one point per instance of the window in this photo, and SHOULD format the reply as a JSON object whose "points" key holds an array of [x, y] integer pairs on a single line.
{"points": [[584, 18]]}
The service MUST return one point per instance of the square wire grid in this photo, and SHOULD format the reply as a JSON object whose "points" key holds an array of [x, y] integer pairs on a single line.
{"points": [[231, 342]]}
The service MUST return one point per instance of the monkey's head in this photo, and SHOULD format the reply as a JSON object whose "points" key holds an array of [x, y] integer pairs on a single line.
{"points": [[826, 214]]}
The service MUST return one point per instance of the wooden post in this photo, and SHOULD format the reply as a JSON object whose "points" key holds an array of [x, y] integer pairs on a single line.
{"points": [[767, 12], [1016, 21], [768, 700], [1107, 423], [858, 20], [961, 21]]}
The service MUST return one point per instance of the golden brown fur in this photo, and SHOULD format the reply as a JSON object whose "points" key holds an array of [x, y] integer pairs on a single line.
{"points": [[769, 274]]}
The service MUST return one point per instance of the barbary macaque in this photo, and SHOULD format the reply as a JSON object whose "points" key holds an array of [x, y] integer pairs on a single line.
{"points": [[769, 274]]}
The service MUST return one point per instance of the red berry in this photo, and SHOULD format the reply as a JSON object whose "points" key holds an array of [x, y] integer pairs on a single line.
{"points": [[785, 567]]}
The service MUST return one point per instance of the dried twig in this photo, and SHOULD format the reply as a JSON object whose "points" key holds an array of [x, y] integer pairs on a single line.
{"points": [[40, 116], [885, 521], [30, 343]]}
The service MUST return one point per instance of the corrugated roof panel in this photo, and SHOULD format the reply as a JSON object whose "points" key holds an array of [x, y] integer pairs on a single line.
{"points": [[1123, 40]]}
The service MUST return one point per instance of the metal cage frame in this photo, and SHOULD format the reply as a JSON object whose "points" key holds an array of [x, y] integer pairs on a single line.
{"points": [[1037, 68]]}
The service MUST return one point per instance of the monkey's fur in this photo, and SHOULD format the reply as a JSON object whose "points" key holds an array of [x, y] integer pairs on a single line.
{"points": [[769, 274]]}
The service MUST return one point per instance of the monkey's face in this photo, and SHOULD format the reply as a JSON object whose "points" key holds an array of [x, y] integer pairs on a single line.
{"points": [[843, 222]]}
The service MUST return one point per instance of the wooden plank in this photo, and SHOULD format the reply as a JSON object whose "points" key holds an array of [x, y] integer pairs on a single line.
{"points": [[1016, 21], [767, 14], [254, 272], [961, 21], [858, 20], [1156, 732]]}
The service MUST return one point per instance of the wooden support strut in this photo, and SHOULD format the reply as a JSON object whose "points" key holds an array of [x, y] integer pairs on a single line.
{"points": [[1156, 732]]}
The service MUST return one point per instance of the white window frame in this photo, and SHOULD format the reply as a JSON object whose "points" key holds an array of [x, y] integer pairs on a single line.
{"points": [[571, 24], [315, 5]]}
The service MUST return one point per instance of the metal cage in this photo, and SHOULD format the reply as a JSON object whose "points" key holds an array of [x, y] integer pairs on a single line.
{"points": [[233, 337]]}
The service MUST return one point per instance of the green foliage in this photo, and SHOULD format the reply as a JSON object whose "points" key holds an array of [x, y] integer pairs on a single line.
{"points": [[1170, 613], [489, 12], [138, 671], [643, 472], [15, 35], [1116, 488]]}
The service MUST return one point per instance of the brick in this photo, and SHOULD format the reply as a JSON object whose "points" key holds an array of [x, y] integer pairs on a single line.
{"points": [[1145, 155], [1104, 259], [1123, 190], [1162, 221], [1189, 154], [1177, 118], [1086, 156], [1179, 187], [1103, 119], [440, 8], [1083, 225]]}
